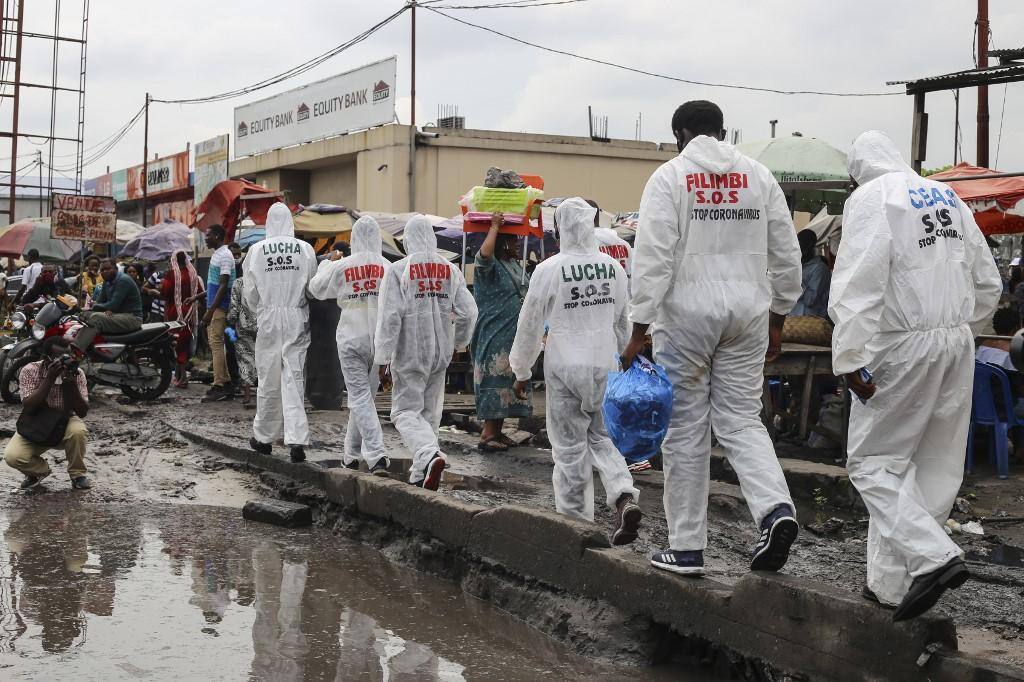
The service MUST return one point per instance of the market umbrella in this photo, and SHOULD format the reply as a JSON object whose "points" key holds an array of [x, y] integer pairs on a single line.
{"points": [[997, 203], [323, 220], [251, 235], [803, 159], [229, 200], [34, 233], [127, 231], [159, 242]]}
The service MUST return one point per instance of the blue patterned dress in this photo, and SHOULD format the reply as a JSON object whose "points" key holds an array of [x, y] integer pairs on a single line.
{"points": [[499, 296]]}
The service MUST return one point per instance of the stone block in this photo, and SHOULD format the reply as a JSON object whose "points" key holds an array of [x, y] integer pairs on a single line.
{"points": [[278, 513], [530, 542], [691, 606], [443, 517], [340, 486], [827, 632]]}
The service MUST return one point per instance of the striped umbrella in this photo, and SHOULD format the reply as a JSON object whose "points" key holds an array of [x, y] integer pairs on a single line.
{"points": [[21, 237]]}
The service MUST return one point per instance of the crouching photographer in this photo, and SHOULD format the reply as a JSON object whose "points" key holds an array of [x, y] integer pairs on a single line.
{"points": [[55, 399]]}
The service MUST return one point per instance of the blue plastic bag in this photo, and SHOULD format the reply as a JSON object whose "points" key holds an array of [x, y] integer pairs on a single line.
{"points": [[637, 408]]}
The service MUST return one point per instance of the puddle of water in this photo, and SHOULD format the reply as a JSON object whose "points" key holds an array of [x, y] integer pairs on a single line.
{"points": [[1002, 555], [91, 592]]}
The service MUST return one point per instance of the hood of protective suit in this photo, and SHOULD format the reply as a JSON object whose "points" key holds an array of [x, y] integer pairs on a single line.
{"points": [[873, 155], [575, 220], [419, 236], [279, 222], [711, 154], [366, 236]]}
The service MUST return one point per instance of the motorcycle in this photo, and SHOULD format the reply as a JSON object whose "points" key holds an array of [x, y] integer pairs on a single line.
{"points": [[139, 363]]}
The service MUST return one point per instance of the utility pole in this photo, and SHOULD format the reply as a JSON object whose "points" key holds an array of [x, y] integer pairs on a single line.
{"points": [[982, 28], [774, 122], [412, 93], [145, 166], [39, 162]]}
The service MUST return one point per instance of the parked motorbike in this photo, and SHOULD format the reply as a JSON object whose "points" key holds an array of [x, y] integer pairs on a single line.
{"points": [[139, 363], [22, 330]]}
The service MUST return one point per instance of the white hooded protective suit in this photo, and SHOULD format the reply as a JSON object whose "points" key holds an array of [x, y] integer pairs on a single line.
{"points": [[715, 251], [912, 275], [277, 271], [425, 312], [355, 282], [581, 294], [608, 241]]}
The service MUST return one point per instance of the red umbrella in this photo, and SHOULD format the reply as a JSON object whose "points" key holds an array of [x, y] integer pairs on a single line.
{"points": [[227, 201], [34, 233]]}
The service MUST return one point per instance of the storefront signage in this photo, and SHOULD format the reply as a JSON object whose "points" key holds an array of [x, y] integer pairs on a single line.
{"points": [[83, 218], [211, 166], [162, 175], [355, 100]]}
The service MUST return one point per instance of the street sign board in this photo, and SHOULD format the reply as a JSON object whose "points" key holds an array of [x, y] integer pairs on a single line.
{"points": [[83, 218]]}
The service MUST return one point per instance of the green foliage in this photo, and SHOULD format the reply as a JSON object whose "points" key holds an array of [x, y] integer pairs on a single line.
{"points": [[932, 171]]}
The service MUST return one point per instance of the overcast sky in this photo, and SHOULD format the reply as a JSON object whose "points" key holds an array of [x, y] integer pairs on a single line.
{"points": [[189, 48]]}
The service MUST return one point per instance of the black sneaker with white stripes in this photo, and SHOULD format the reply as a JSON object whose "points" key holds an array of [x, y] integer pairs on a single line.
{"points": [[686, 562], [778, 533]]}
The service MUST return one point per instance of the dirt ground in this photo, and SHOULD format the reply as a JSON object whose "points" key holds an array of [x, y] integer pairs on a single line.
{"points": [[136, 455]]}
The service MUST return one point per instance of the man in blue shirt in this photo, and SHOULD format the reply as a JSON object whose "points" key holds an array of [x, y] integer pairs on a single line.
{"points": [[219, 279], [815, 280], [117, 307]]}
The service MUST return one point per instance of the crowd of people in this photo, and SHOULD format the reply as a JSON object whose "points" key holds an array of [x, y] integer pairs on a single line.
{"points": [[706, 290]]}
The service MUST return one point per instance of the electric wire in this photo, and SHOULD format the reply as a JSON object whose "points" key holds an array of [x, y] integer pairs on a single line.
{"points": [[292, 72], [1002, 117], [730, 86], [516, 4]]}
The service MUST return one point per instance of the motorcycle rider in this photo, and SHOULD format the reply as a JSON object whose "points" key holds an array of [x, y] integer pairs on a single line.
{"points": [[47, 286], [277, 274], [117, 307], [425, 312], [355, 282]]}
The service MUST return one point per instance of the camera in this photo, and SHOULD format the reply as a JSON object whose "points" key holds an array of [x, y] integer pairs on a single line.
{"points": [[68, 363]]}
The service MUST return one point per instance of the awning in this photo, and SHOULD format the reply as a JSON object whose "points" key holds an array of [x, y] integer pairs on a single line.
{"points": [[998, 203]]}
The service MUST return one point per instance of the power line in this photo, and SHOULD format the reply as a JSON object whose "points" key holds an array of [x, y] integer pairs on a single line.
{"points": [[1002, 117], [658, 75], [515, 4], [292, 72]]}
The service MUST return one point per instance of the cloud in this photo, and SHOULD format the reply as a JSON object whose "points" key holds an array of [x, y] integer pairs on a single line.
{"points": [[193, 47]]}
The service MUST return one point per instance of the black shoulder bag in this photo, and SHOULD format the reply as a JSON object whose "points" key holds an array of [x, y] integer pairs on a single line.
{"points": [[45, 426]]}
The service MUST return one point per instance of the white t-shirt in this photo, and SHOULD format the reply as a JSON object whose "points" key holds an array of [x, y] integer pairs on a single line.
{"points": [[30, 274], [995, 356]]}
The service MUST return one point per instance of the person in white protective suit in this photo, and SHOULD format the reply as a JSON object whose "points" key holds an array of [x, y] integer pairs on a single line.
{"points": [[355, 282], [277, 273], [424, 313], [581, 295], [913, 276], [716, 268]]}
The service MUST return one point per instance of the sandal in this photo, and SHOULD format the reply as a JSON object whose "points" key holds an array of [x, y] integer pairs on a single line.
{"points": [[492, 444], [506, 441]]}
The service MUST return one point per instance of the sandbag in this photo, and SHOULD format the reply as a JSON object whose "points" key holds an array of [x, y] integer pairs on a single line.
{"points": [[637, 408]]}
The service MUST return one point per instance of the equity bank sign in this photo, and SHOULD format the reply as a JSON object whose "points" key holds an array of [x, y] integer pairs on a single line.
{"points": [[350, 101]]}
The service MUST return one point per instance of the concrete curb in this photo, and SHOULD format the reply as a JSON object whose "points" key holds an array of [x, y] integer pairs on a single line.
{"points": [[792, 623]]}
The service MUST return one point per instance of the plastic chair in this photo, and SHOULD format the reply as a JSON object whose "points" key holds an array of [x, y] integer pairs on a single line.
{"points": [[992, 406]]}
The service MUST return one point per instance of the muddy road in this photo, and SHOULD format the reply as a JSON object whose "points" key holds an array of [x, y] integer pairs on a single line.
{"points": [[139, 459]]}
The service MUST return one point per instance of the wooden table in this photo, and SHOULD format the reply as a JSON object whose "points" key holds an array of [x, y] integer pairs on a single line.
{"points": [[799, 360]]}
